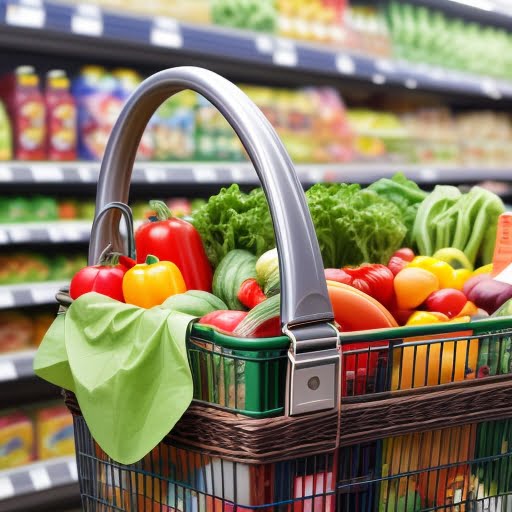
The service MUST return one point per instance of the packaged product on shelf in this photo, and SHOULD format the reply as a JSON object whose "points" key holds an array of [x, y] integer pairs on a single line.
{"points": [[173, 127], [16, 331], [258, 15], [317, 20], [15, 209], [98, 108], [379, 135], [366, 30], [25, 103], [16, 439], [23, 268], [215, 139], [5, 134], [54, 429], [61, 118], [127, 81]]}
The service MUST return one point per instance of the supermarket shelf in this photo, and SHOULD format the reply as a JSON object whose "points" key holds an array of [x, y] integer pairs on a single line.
{"points": [[29, 294], [45, 232], [90, 32], [17, 365], [184, 174], [44, 485]]}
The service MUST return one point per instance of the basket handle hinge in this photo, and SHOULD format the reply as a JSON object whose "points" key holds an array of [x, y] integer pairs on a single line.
{"points": [[314, 369]]}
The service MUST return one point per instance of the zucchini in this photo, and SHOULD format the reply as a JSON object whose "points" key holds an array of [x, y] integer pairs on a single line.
{"points": [[194, 302], [237, 266]]}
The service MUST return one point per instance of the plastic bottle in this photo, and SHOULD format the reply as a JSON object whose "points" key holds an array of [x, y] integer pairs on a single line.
{"points": [[98, 105], [25, 105], [5, 134], [61, 119]]}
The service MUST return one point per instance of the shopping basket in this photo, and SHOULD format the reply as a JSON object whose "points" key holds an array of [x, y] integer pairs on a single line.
{"points": [[407, 419]]}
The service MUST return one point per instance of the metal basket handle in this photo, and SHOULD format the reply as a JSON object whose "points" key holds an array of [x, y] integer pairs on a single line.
{"points": [[304, 294]]}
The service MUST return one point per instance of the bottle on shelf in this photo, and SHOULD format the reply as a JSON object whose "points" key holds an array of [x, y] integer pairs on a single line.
{"points": [[26, 107], [61, 117]]}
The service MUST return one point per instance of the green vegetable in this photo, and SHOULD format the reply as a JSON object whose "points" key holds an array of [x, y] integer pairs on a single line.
{"points": [[467, 222], [442, 198], [260, 314], [405, 194], [267, 272], [233, 270], [194, 302], [354, 226], [235, 220]]}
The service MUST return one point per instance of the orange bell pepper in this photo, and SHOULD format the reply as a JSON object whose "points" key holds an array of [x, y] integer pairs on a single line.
{"points": [[149, 284]]}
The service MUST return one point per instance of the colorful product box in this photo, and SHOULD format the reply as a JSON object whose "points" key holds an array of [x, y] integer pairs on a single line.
{"points": [[16, 440], [54, 433]]}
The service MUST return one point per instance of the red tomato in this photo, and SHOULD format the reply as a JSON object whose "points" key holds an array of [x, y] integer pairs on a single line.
{"points": [[447, 301], [405, 253], [104, 279]]}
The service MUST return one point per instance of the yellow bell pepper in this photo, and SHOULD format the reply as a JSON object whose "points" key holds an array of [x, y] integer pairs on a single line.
{"points": [[461, 276], [454, 257], [444, 272], [426, 318], [149, 284], [486, 269]]}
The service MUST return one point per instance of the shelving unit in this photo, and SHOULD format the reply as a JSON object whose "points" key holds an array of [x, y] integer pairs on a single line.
{"points": [[40, 485], [79, 33], [215, 174], [29, 294], [88, 32]]}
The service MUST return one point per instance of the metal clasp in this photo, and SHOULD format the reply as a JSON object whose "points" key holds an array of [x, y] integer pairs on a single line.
{"points": [[314, 369]]}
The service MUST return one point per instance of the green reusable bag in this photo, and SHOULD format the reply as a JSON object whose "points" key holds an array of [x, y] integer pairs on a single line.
{"points": [[127, 366]]}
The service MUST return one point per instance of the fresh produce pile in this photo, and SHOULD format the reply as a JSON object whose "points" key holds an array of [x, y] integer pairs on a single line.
{"points": [[32, 267], [394, 255]]}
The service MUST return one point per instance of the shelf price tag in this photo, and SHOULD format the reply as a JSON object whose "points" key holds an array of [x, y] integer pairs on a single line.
{"points": [[44, 295], [166, 32], [5, 174], [40, 478], [7, 371], [45, 173], [6, 488], [87, 175], [6, 299], [345, 64], [20, 234], [205, 175], [4, 237], [87, 21], [285, 53], [155, 175], [26, 13]]}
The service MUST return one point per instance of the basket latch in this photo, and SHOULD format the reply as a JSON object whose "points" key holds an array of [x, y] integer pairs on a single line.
{"points": [[314, 369]]}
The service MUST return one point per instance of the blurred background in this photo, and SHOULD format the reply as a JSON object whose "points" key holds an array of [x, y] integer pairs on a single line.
{"points": [[357, 90]]}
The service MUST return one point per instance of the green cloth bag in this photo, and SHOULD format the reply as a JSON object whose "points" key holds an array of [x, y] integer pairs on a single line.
{"points": [[127, 366]]}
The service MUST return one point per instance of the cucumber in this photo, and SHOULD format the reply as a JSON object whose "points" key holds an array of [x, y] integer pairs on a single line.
{"points": [[194, 302], [237, 266], [258, 315]]}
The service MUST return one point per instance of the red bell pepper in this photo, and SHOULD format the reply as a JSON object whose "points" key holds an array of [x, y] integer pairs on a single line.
{"points": [[250, 293], [172, 239], [375, 280], [105, 278]]}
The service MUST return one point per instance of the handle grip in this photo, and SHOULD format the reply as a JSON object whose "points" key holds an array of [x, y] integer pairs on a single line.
{"points": [[304, 291]]}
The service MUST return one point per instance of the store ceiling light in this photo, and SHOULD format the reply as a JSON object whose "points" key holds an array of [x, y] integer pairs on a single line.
{"points": [[479, 4]]}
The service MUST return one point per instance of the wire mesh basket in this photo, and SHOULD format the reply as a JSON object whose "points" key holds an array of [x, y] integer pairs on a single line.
{"points": [[459, 469], [410, 419]]}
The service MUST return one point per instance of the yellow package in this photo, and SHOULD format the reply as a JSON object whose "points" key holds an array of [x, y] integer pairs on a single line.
{"points": [[54, 432], [16, 440]]}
